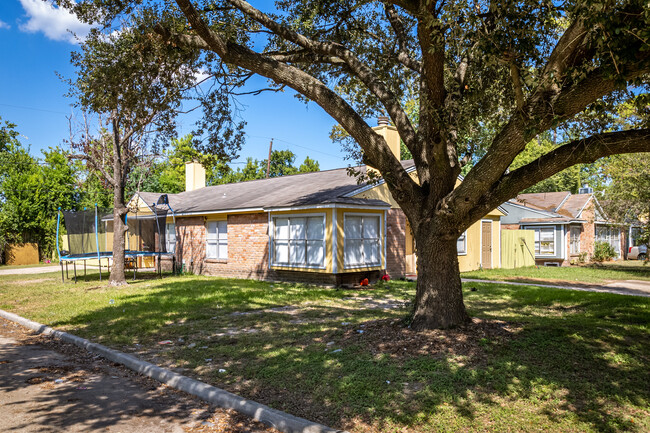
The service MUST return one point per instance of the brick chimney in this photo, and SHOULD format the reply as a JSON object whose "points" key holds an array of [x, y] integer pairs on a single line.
{"points": [[390, 134], [194, 176]]}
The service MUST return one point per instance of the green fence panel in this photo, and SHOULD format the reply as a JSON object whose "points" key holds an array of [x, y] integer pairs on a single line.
{"points": [[517, 248]]}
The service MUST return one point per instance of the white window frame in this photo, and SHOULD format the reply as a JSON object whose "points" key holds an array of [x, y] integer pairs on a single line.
{"points": [[169, 235], [217, 240], [379, 240], [464, 250], [538, 241], [612, 236], [571, 240], [288, 264]]}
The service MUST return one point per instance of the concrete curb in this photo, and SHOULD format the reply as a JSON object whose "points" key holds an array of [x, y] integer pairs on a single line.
{"points": [[282, 421]]}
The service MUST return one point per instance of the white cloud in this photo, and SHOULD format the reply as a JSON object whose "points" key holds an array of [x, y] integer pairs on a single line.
{"points": [[4, 25], [54, 23], [201, 75]]}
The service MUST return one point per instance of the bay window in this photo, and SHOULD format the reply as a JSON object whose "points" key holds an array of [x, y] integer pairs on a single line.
{"points": [[361, 240], [299, 241]]}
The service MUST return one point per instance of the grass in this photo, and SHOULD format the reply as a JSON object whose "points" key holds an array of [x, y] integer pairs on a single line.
{"points": [[589, 274], [537, 359]]}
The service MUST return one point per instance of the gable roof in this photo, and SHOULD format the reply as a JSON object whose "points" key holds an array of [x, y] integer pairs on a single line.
{"points": [[552, 207], [548, 201], [562, 203], [327, 187], [575, 204]]}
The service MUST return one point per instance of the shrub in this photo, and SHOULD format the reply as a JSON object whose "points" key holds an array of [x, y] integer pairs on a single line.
{"points": [[582, 258], [603, 252]]}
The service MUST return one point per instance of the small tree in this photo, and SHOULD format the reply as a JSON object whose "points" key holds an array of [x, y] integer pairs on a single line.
{"points": [[134, 85]]}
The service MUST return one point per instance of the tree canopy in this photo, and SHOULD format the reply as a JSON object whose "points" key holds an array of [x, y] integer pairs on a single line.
{"points": [[488, 78], [31, 191]]}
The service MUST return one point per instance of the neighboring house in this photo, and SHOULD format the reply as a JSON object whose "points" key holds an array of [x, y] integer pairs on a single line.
{"points": [[566, 225], [317, 227]]}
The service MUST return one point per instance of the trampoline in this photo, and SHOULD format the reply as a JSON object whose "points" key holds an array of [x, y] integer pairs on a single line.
{"points": [[89, 235]]}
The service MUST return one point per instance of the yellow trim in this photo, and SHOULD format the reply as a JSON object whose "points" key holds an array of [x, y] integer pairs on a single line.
{"points": [[340, 239], [328, 240], [214, 217]]}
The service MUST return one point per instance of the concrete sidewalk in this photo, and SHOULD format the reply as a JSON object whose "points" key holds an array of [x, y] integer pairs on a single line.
{"points": [[623, 287], [50, 386], [30, 270]]}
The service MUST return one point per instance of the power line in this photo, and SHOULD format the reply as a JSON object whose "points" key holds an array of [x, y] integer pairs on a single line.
{"points": [[33, 109], [297, 145]]}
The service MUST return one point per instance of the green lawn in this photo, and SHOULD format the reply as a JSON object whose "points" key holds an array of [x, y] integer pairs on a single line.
{"points": [[589, 274], [534, 360]]}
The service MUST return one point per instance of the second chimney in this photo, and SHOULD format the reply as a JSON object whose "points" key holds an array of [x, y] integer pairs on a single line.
{"points": [[194, 176], [390, 134]]}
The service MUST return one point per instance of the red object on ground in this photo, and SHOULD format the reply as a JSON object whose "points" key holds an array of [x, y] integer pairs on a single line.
{"points": [[364, 282], [385, 277]]}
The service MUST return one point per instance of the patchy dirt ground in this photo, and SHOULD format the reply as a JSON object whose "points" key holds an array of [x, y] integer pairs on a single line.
{"points": [[50, 386], [390, 337]]}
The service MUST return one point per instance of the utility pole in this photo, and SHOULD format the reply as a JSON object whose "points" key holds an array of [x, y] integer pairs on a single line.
{"points": [[268, 161]]}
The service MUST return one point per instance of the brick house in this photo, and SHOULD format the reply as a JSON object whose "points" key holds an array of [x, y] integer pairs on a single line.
{"points": [[320, 227], [566, 226]]}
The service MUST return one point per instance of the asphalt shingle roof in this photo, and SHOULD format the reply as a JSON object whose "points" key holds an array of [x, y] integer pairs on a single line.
{"points": [[322, 187], [562, 205]]}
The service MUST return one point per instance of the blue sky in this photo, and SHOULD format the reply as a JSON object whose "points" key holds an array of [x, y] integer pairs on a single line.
{"points": [[35, 45]]}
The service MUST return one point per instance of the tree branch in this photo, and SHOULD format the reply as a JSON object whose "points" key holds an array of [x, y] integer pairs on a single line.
{"points": [[559, 59], [358, 68], [400, 32], [376, 151], [517, 85], [517, 133], [582, 151]]}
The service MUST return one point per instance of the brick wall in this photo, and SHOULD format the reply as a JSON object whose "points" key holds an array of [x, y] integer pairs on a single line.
{"points": [[190, 242], [248, 251], [588, 234], [509, 226], [396, 243], [248, 243]]}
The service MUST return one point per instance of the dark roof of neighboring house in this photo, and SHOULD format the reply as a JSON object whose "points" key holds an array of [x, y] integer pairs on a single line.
{"points": [[563, 204], [317, 188]]}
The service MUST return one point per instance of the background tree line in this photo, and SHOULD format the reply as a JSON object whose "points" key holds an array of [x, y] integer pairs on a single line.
{"points": [[33, 188]]}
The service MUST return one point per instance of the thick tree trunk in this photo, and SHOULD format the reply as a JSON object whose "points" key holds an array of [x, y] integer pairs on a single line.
{"points": [[439, 296]]}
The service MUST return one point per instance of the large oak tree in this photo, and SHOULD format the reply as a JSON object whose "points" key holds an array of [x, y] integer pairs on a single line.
{"points": [[488, 77]]}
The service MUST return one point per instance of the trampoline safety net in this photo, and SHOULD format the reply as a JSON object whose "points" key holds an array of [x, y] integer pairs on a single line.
{"points": [[90, 232], [85, 229]]}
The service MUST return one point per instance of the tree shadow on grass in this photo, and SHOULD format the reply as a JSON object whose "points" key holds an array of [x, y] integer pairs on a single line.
{"points": [[572, 361]]}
